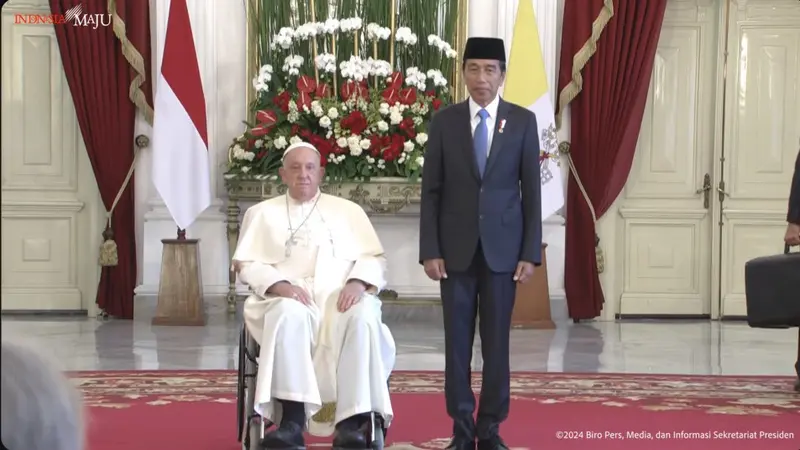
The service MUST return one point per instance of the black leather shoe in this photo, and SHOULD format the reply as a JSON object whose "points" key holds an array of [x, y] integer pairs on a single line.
{"points": [[495, 443], [289, 436], [350, 433], [459, 443]]}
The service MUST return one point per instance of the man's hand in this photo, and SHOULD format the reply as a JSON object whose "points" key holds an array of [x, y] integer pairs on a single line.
{"points": [[288, 290], [792, 234], [350, 295], [434, 269], [524, 271]]}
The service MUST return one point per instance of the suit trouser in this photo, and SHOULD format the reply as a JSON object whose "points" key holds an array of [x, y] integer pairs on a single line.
{"points": [[477, 292], [797, 364]]}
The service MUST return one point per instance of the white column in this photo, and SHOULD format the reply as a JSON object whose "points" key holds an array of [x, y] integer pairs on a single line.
{"points": [[220, 36], [482, 18]]}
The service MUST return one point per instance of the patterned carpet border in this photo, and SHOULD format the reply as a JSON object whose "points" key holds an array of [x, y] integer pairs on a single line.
{"points": [[740, 395]]}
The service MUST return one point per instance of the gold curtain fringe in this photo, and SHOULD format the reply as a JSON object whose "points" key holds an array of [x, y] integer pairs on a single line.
{"points": [[109, 256], [582, 57], [136, 61], [568, 94]]}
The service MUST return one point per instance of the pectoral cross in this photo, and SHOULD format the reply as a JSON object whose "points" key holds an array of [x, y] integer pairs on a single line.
{"points": [[289, 244]]}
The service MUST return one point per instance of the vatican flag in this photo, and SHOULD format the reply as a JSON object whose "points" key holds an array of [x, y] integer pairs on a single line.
{"points": [[526, 85]]}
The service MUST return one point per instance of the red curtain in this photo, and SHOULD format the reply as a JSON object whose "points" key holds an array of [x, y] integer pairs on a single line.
{"points": [[106, 68], [606, 109]]}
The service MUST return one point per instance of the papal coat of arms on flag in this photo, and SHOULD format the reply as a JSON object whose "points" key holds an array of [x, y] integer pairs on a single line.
{"points": [[526, 85]]}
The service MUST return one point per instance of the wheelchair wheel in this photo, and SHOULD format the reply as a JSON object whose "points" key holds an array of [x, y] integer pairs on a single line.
{"points": [[251, 428], [241, 414], [377, 435]]}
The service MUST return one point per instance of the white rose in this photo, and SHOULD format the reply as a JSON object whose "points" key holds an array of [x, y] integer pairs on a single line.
{"points": [[365, 143], [333, 113], [342, 142], [421, 160], [245, 169], [383, 126], [422, 138], [325, 122], [280, 143], [395, 118], [384, 109], [259, 143], [295, 140], [408, 146], [356, 151]]}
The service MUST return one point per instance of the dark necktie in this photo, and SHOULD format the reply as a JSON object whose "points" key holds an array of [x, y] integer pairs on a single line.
{"points": [[481, 141]]}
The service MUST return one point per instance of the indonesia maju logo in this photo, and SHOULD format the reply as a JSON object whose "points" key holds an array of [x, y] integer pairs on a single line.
{"points": [[74, 16]]}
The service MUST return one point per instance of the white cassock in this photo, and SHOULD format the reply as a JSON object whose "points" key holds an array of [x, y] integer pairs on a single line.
{"points": [[315, 354]]}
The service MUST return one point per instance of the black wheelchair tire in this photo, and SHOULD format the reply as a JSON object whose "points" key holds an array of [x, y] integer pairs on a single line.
{"points": [[241, 415]]}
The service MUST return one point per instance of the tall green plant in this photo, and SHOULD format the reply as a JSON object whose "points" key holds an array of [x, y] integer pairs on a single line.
{"points": [[423, 17]]}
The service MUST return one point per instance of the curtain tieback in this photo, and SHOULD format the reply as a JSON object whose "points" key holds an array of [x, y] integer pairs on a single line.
{"points": [[109, 256], [563, 149]]}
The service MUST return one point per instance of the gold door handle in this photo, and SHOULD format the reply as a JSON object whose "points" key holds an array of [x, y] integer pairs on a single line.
{"points": [[706, 190]]}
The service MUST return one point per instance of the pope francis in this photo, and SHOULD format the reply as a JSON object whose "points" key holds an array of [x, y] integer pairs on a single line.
{"points": [[314, 264]]}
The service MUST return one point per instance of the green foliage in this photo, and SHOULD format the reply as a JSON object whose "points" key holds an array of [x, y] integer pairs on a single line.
{"points": [[256, 153]]}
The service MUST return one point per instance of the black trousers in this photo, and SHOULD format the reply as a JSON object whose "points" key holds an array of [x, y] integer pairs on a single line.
{"points": [[797, 364], [477, 292]]}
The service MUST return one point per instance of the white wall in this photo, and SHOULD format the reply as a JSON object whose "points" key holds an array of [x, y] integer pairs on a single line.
{"points": [[220, 35]]}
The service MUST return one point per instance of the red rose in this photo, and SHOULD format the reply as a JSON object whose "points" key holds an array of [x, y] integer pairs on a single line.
{"points": [[407, 126], [355, 122], [394, 149], [282, 101], [377, 144], [436, 103]]}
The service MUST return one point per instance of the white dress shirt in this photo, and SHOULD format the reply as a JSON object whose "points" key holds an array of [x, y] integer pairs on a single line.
{"points": [[491, 108]]}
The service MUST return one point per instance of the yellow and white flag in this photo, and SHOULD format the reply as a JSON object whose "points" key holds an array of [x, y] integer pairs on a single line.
{"points": [[526, 85]]}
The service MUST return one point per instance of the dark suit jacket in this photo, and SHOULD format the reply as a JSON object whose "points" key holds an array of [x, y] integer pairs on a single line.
{"points": [[793, 216], [502, 211]]}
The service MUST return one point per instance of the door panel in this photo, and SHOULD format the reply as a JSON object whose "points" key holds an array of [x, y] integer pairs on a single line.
{"points": [[762, 130], [50, 205], [665, 232]]}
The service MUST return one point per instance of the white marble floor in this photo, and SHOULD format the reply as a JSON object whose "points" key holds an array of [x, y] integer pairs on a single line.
{"points": [[666, 347]]}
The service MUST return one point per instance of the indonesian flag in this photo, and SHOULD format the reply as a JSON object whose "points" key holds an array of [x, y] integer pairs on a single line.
{"points": [[181, 168], [526, 85]]}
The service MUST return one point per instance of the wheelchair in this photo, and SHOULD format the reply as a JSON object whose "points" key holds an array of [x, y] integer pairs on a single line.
{"points": [[251, 426]]}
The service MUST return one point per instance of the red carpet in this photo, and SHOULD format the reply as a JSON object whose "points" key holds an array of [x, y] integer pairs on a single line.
{"points": [[196, 410]]}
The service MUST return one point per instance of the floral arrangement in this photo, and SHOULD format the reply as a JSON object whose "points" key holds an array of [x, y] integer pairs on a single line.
{"points": [[366, 115]]}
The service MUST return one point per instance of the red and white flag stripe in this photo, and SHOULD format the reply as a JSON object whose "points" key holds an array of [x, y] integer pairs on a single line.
{"points": [[181, 168]]}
